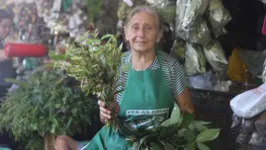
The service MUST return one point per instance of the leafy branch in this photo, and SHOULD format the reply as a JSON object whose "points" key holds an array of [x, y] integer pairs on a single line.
{"points": [[183, 134], [95, 65]]}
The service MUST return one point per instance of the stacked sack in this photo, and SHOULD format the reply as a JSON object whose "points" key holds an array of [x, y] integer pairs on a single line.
{"points": [[198, 24]]}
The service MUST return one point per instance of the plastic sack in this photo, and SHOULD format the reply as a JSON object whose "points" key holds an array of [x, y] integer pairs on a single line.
{"points": [[198, 33], [250, 103], [165, 8], [202, 81], [236, 121], [254, 61], [256, 139], [215, 56], [223, 86], [124, 8], [195, 62], [178, 50], [236, 67], [188, 15], [264, 72], [217, 16]]}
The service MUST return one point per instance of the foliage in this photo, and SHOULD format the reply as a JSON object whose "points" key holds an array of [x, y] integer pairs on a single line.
{"points": [[50, 102], [93, 9], [185, 134], [94, 65]]}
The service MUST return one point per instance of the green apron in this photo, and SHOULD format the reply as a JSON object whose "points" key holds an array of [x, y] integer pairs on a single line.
{"points": [[147, 101]]}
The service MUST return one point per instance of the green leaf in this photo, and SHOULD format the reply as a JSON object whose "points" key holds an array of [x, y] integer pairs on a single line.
{"points": [[202, 146], [136, 145], [52, 131], [166, 123], [189, 136], [208, 135], [106, 36], [69, 123], [155, 146], [191, 147], [168, 131], [181, 132], [175, 116], [204, 122], [198, 126], [187, 120]]}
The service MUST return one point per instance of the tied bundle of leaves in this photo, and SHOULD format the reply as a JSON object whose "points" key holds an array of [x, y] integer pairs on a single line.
{"points": [[95, 65], [174, 134], [49, 103]]}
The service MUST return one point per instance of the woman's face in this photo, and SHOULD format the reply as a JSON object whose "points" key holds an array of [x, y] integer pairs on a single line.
{"points": [[142, 32], [5, 27]]}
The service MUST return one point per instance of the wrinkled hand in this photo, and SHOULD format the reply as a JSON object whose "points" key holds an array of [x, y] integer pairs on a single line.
{"points": [[107, 114]]}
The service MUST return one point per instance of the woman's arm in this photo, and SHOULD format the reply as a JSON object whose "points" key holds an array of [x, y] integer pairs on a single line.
{"points": [[184, 102]]}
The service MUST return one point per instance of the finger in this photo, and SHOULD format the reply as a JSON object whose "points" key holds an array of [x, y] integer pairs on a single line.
{"points": [[105, 111], [105, 116], [101, 103]]}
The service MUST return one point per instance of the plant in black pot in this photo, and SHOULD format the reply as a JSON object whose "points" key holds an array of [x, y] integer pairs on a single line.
{"points": [[50, 103]]}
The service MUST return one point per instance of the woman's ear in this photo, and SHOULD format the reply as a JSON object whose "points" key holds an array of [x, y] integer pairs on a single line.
{"points": [[160, 35]]}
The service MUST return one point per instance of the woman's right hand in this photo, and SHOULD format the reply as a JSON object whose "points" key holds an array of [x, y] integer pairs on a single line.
{"points": [[107, 114]]}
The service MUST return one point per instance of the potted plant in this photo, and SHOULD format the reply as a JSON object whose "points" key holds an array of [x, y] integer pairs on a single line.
{"points": [[49, 103]]}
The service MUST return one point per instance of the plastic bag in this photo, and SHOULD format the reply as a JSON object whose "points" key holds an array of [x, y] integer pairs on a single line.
{"points": [[124, 8], [236, 67], [236, 121], [217, 16], [256, 139], [215, 56], [178, 50], [264, 72], [188, 20], [199, 33], [202, 81], [165, 8], [223, 86], [195, 62], [250, 103]]}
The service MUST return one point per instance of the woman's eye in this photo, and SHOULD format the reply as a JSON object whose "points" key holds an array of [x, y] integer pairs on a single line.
{"points": [[135, 28], [148, 28]]}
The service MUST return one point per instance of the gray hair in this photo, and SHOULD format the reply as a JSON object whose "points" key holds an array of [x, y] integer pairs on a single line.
{"points": [[147, 9]]}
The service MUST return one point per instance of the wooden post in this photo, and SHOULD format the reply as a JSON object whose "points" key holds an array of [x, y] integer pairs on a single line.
{"points": [[49, 142]]}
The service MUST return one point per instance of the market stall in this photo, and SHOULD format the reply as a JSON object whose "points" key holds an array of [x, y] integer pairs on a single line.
{"points": [[202, 35]]}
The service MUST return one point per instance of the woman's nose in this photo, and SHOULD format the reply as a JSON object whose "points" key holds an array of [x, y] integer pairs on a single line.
{"points": [[141, 32]]}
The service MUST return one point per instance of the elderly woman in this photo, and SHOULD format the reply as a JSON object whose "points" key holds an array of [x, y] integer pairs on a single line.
{"points": [[153, 82]]}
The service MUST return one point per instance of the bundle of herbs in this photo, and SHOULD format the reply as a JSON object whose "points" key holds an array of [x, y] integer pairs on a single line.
{"points": [[95, 65], [178, 134], [48, 103]]}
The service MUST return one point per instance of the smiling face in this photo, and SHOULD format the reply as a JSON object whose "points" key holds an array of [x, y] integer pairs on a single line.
{"points": [[142, 31]]}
